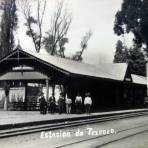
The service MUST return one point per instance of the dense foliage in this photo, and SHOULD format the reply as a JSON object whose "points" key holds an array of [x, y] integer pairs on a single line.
{"points": [[121, 53], [133, 18]]}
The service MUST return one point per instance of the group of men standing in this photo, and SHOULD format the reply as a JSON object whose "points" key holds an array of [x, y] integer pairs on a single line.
{"points": [[62, 103], [87, 103]]}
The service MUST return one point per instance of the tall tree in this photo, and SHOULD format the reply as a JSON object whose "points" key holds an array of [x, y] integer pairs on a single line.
{"points": [[8, 25], [136, 61], [121, 53], [34, 25], [62, 48], [133, 18], [83, 44], [57, 35], [133, 56]]}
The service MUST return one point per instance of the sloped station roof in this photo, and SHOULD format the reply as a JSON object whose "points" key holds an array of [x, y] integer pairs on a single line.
{"points": [[109, 71], [116, 71], [106, 71], [139, 79]]}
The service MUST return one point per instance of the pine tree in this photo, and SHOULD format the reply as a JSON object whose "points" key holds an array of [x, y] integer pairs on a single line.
{"points": [[133, 56], [136, 61], [121, 53]]}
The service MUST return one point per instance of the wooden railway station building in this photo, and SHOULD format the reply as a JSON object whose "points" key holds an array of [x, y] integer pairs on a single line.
{"points": [[111, 86]]}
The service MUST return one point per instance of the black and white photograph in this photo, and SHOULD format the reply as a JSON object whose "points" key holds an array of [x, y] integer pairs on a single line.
{"points": [[73, 73]]}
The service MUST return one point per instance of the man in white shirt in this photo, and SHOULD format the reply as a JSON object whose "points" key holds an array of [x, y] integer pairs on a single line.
{"points": [[68, 105], [87, 102]]}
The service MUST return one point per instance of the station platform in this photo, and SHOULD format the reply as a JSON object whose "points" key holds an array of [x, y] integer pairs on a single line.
{"points": [[17, 119]]}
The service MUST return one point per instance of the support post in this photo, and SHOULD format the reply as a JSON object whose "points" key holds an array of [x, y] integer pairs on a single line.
{"points": [[25, 101], [6, 103], [117, 97], [47, 89], [6, 89]]}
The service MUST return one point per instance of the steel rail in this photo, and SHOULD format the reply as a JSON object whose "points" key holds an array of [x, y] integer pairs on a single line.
{"points": [[39, 128], [112, 141], [122, 138]]}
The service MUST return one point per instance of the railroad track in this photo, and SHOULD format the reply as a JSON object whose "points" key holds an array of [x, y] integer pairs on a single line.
{"points": [[142, 129], [47, 127], [124, 137]]}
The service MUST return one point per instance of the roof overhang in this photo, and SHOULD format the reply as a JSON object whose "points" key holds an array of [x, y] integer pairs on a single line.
{"points": [[23, 76], [65, 66]]}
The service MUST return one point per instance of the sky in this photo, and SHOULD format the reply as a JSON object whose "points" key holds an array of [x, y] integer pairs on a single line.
{"points": [[95, 15]]}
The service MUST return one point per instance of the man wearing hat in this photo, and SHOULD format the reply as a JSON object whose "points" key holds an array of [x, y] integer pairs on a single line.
{"points": [[43, 104], [87, 102]]}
